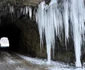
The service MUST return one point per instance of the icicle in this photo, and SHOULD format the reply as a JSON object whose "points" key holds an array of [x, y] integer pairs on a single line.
{"points": [[55, 21], [27, 10], [66, 21], [11, 9], [77, 19], [57, 18], [49, 20], [49, 31], [23, 10], [30, 12], [40, 20]]}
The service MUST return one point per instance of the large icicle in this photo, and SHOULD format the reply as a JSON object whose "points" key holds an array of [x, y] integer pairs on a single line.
{"points": [[66, 20], [49, 31], [56, 20], [27, 9], [30, 12], [77, 19], [49, 20], [40, 20]]}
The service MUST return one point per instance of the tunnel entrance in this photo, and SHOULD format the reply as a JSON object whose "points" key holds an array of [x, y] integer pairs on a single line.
{"points": [[22, 33], [11, 32]]}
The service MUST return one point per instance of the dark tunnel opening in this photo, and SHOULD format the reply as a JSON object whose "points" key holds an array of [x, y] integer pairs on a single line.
{"points": [[21, 30], [22, 34], [13, 34], [9, 29]]}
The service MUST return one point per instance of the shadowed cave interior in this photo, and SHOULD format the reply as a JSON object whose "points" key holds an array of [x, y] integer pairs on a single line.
{"points": [[10, 31], [22, 34]]}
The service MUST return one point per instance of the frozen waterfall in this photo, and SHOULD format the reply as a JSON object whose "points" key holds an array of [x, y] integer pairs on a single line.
{"points": [[53, 18], [49, 19], [77, 19], [66, 20]]}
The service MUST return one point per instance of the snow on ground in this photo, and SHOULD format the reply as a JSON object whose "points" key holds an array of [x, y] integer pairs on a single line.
{"points": [[10, 61], [53, 66], [42, 62], [66, 69], [8, 58], [19, 68]]}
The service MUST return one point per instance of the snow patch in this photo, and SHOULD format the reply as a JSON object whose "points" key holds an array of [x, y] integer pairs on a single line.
{"points": [[53, 66]]}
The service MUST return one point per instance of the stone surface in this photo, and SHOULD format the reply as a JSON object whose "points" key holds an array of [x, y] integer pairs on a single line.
{"points": [[20, 2], [30, 38]]}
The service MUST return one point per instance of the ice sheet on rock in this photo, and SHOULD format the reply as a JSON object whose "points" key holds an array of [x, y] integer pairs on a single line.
{"points": [[49, 20], [42, 62]]}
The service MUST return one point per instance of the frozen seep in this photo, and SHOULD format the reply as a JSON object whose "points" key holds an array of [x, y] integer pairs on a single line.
{"points": [[77, 19], [51, 21]]}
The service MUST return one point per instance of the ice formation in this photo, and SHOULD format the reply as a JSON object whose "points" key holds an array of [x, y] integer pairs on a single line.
{"points": [[51, 21]]}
